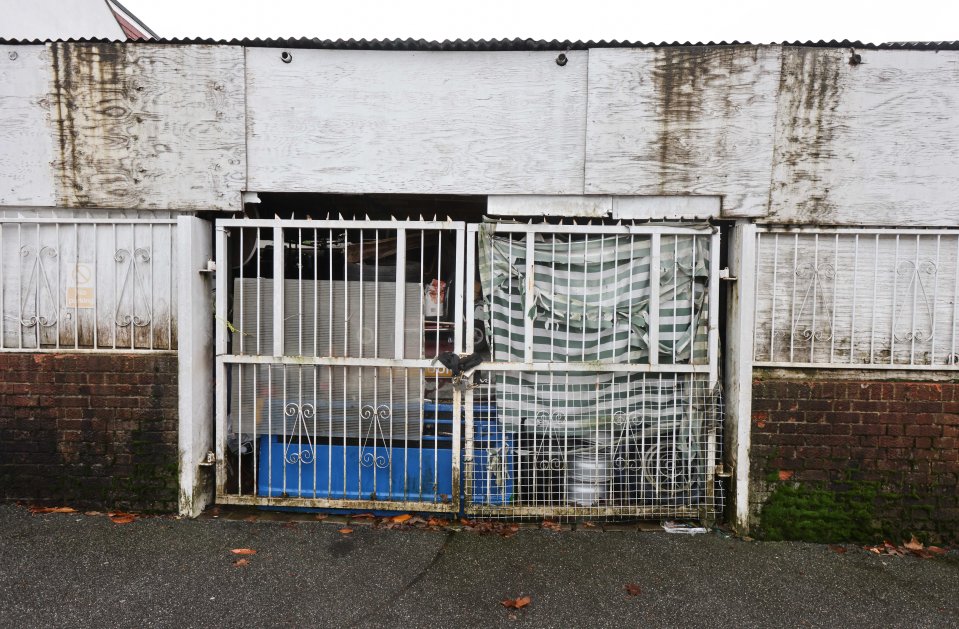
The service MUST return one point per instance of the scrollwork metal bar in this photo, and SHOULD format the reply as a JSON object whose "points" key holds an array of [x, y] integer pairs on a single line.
{"points": [[374, 433], [133, 281], [38, 281]]}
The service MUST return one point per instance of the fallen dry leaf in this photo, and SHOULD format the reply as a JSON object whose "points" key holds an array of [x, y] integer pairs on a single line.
{"points": [[251, 518], [399, 519], [836, 548], [516, 603], [122, 518], [239, 563], [52, 510], [552, 526], [785, 474], [633, 589], [589, 525], [913, 544], [320, 516], [243, 551], [346, 531], [92, 513], [935, 550]]}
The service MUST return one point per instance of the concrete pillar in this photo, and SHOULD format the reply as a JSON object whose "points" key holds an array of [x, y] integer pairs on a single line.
{"points": [[195, 351], [738, 366]]}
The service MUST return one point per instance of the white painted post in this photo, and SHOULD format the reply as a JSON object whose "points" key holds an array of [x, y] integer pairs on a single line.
{"points": [[739, 365], [195, 353]]}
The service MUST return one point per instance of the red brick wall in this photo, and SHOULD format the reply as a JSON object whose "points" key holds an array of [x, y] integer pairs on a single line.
{"points": [[90, 430], [822, 431]]}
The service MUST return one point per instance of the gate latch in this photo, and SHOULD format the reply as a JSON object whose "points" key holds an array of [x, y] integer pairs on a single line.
{"points": [[724, 275], [209, 459], [209, 268]]}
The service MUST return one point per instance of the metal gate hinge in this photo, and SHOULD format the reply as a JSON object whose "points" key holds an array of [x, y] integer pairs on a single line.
{"points": [[209, 459], [722, 472], [724, 275], [210, 267]]}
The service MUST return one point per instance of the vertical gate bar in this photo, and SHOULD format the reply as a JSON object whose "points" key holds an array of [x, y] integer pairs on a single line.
{"points": [[792, 315], [19, 326], [772, 328], [221, 350], [692, 291], [935, 303], [299, 293], [255, 421], [399, 330], [875, 293], [238, 367], [629, 304], [421, 374], [241, 320], [600, 296], [654, 291], [461, 287], [835, 283], [467, 471], [152, 282], [470, 314], [38, 269], [895, 295], [815, 294], [259, 294], [916, 286], [460, 280], [133, 285], [76, 272], [529, 302], [376, 293], [279, 274], [713, 300], [269, 429], [711, 447], [169, 327], [855, 288], [316, 352], [59, 279], [583, 320], [953, 359]]}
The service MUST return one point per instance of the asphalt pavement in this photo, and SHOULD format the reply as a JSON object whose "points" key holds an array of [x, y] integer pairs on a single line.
{"points": [[76, 570]]}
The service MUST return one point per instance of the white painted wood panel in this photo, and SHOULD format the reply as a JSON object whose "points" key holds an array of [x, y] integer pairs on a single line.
{"points": [[26, 141], [149, 126], [656, 207], [872, 144], [416, 122], [683, 121], [549, 205]]}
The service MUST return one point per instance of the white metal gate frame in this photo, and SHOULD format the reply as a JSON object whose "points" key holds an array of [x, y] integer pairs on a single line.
{"points": [[711, 369], [463, 394], [224, 360]]}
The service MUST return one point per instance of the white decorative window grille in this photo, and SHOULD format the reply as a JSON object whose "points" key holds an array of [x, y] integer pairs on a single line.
{"points": [[865, 298], [105, 283]]}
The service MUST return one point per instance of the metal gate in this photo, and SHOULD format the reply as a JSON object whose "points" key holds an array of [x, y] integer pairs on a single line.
{"points": [[599, 397], [329, 389], [351, 382]]}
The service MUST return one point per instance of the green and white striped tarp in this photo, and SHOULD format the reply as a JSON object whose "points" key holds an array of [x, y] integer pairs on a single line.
{"points": [[591, 303]]}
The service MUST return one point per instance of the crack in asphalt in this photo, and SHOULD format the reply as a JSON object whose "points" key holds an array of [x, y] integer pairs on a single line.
{"points": [[406, 587]]}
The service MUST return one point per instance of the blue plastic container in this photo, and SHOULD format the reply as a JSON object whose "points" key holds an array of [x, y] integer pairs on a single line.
{"points": [[305, 471], [422, 474]]}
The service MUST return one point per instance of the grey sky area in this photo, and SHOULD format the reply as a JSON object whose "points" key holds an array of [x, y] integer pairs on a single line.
{"points": [[691, 20]]}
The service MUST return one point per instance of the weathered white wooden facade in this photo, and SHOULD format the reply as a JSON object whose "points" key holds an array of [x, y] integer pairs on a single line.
{"points": [[767, 140]]}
